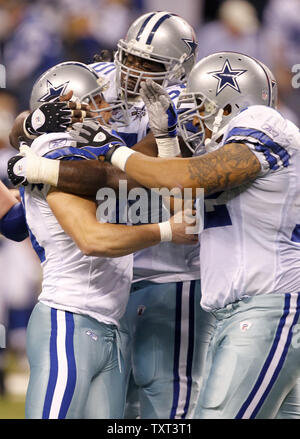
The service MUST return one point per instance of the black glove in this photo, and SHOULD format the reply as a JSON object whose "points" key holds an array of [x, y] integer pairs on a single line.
{"points": [[52, 117], [91, 136], [12, 167]]}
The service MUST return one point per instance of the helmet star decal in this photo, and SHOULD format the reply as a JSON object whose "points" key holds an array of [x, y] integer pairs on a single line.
{"points": [[227, 77], [192, 45], [53, 92]]}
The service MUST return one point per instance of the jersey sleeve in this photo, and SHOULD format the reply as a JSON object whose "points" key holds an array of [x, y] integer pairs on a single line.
{"points": [[58, 146], [264, 131]]}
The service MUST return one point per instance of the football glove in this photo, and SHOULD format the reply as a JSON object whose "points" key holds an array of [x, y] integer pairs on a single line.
{"points": [[161, 110], [91, 136]]}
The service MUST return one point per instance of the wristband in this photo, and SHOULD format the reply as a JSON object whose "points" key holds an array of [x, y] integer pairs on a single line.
{"points": [[168, 146], [47, 172], [120, 157], [165, 231]]}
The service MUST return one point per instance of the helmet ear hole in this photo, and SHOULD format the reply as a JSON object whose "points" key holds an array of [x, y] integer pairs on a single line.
{"points": [[227, 110]]}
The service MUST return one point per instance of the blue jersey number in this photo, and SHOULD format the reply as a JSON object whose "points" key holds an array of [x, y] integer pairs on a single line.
{"points": [[215, 213]]}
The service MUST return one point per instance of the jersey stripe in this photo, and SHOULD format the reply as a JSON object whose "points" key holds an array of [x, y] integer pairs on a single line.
{"points": [[40, 251], [275, 359], [108, 67], [260, 138]]}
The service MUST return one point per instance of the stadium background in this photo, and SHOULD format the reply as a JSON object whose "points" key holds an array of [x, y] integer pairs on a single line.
{"points": [[35, 35]]}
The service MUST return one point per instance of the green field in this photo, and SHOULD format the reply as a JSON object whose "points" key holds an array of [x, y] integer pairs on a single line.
{"points": [[12, 407]]}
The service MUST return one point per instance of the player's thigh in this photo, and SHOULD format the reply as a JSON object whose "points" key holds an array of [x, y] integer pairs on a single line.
{"points": [[65, 351], [290, 408], [106, 399], [169, 348], [252, 363]]}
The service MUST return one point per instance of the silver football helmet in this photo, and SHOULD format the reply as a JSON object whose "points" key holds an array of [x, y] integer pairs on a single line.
{"points": [[66, 76], [160, 37], [218, 88]]}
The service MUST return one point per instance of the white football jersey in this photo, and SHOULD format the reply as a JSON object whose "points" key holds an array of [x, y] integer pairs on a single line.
{"points": [[250, 244], [94, 286], [165, 262]]}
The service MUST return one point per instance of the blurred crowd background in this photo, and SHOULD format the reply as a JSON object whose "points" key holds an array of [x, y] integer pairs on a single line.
{"points": [[37, 34]]}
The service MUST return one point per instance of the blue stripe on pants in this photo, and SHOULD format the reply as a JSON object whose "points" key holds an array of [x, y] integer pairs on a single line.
{"points": [[53, 365], [176, 385], [71, 381]]}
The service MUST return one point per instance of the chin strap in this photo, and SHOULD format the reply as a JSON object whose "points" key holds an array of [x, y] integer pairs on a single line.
{"points": [[211, 144]]}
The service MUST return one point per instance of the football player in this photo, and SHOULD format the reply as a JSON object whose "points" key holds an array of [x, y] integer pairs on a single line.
{"points": [[249, 254], [73, 341], [168, 354]]}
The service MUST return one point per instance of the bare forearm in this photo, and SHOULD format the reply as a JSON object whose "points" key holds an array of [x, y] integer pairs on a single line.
{"points": [[228, 167], [7, 200], [77, 216], [86, 177], [114, 240]]}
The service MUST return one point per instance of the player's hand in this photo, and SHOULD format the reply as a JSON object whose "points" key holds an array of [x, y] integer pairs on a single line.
{"points": [[161, 110], [184, 227], [91, 136], [16, 167], [28, 167], [54, 117]]}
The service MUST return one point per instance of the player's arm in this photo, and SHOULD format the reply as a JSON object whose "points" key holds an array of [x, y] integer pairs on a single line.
{"points": [[86, 177], [7, 200], [230, 166], [80, 177], [77, 216], [12, 216]]}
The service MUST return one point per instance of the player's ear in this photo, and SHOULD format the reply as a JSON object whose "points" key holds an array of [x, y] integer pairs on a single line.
{"points": [[66, 97]]}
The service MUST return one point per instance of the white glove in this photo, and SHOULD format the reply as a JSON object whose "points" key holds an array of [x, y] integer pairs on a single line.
{"points": [[162, 117], [161, 110]]}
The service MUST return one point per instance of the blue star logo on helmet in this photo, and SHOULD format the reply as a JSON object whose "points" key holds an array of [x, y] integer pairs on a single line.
{"points": [[192, 45], [227, 77], [53, 92]]}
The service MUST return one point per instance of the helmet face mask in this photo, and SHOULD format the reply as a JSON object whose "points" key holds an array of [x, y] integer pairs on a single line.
{"points": [[160, 40], [218, 88]]}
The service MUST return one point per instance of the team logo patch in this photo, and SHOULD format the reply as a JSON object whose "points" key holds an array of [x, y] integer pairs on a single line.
{"points": [[100, 137], [227, 77], [57, 143], [244, 326], [138, 113], [53, 92]]}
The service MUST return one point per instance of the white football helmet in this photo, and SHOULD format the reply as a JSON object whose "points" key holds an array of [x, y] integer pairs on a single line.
{"points": [[218, 88], [75, 76], [160, 37]]}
